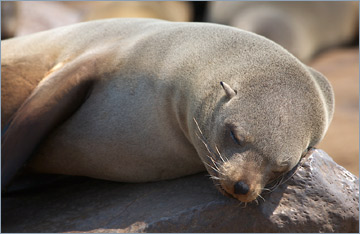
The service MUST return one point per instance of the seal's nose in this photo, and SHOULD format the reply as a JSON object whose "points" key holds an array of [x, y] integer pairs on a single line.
{"points": [[241, 188]]}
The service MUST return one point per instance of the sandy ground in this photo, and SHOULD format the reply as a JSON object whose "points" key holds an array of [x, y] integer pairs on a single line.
{"points": [[341, 67]]}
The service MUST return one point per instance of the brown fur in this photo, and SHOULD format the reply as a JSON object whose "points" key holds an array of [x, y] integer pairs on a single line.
{"points": [[138, 100]]}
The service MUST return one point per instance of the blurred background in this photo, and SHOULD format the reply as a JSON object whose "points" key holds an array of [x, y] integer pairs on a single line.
{"points": [[324, 35]]}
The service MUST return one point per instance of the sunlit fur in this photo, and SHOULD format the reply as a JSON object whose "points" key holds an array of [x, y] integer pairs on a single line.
{"points": [[138, 100]]}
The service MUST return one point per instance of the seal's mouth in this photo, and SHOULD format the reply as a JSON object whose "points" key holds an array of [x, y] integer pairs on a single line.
{"points": [[245, 185], [224, 181], [241, 190], [249, 187], [248, 196], [222, 190]]}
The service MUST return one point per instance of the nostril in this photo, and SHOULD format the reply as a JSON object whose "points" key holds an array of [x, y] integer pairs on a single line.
{"points": [[241, 188]]}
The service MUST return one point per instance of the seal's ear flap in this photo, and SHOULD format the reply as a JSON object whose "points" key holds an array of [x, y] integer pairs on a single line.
{"points": [[228, 90]]}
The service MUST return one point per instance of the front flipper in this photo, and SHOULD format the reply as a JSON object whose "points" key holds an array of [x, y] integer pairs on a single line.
{"points": [[56, 98]]}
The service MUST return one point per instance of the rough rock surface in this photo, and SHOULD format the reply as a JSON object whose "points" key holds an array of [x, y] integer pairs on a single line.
{"points": [[321, 197]]}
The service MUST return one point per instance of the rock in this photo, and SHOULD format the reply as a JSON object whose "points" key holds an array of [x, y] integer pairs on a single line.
{"points": [[321, 197]]}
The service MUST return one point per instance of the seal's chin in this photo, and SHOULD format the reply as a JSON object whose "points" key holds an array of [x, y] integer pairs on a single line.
{"points": [[250, 196], [222, 190], [245, 198]]}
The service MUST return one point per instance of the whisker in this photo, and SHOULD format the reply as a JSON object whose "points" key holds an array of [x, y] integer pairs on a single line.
{"points": [[288, 178], [261, 197], [215, 164], [220, 154], [197, 126], [214, 169], [215, 178], [274, 186], [209, 156], [203, 138], [211, 167], [296, 169], [205, 144], [282, 181], [202, 141], [212, 155], [278, 183], [217, 184], [269, 190]]}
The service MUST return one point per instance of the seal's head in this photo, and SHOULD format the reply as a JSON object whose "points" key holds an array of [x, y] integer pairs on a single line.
{"points": [[264, 128]]}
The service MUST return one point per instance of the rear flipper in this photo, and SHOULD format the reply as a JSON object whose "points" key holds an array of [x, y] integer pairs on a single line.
{"points": [[56, 98]]}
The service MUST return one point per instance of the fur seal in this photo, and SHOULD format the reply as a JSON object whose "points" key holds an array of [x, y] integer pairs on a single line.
{"points": [[138, 100], [303, 28]]}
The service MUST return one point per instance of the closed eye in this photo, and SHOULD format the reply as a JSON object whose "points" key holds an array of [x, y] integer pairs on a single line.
{"points": [[234, 138]]}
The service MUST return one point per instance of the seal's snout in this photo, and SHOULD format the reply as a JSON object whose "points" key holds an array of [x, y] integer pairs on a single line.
{"points": [[241, 180], [241, 188]]}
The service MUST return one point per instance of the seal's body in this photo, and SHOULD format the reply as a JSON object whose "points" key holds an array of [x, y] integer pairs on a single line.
{"points": [[139, 100]]}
